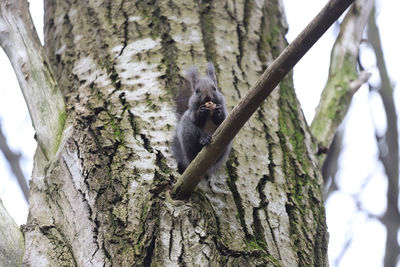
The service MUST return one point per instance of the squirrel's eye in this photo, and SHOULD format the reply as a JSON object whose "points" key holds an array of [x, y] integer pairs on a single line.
{"points": [[197, 90], [215, 88]]}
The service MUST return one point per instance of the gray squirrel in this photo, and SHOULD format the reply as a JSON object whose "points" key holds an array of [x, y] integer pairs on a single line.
{"points": [[203, 113]]}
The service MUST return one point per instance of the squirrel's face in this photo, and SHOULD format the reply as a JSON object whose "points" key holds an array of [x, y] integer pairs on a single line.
{"points": [[205, 90]]}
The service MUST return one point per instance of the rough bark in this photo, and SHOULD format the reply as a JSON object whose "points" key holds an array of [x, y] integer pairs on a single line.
{"points": [[104, 198]]}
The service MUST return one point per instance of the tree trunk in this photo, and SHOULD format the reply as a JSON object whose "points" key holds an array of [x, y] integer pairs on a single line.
{"points": [[11, 240], [104, 199]]}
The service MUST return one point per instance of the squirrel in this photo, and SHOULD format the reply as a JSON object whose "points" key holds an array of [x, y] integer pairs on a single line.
{"points": [[203, 113]]}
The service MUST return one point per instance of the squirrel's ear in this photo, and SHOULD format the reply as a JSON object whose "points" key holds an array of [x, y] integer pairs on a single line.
{"points": [[192, 76], [211, 72]]}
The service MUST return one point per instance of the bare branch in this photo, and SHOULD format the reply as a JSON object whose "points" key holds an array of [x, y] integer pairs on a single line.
{"points": [[13, 160], [45, 103], [389, 158], [343, 81], [363, 77], [257, 94], [331, 165]]}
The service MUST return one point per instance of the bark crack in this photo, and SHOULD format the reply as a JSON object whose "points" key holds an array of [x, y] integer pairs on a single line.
{"points": [[181, 256], [241, 33], [125, 28], [207, 31], [149, 252], [232, 178], [94, 222], [235, 83], [62, 249], [171, 235]]}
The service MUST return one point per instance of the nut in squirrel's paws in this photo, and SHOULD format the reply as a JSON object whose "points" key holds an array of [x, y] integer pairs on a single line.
{"points": [[211, 106]]}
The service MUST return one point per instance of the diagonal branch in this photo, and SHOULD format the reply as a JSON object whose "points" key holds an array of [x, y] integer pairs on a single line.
{"points": [[343, 79], [257, 94], [45, 103], [330, 166], [13, 160]]}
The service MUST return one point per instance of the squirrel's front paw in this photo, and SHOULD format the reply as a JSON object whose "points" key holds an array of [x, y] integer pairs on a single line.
{"points": [[218, 115], [204, 111], [218, 111], [205, 139]]}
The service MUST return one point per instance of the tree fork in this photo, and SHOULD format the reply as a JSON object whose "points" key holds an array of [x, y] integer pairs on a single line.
{"points": [[256, 95], [28, 57]]}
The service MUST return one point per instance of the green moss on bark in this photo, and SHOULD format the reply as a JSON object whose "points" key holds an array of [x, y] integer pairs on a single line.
{"points": [[271, 32], [304, 182], [335, 100], [61, 124]]}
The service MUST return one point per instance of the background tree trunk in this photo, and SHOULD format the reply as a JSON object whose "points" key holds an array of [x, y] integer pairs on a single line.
{"points": [[104, 199], [388, 145]]}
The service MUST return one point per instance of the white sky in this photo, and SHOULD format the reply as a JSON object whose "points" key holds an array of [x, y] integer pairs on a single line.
{"points": [[310, 76]]}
